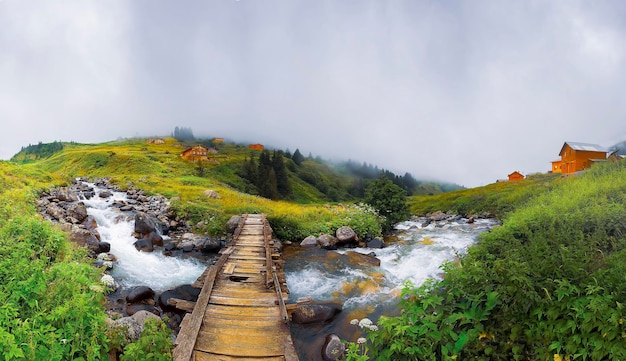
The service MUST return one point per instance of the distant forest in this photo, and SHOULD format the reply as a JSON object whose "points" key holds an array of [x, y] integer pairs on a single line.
{"points": [[40, 150]]}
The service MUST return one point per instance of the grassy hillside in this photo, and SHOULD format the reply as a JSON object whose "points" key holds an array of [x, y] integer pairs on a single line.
{"points": [[158, 169], [497, 199], [548, 284]]}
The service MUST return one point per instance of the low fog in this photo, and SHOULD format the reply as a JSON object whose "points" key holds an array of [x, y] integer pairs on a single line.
{"points": [[456, 91]]}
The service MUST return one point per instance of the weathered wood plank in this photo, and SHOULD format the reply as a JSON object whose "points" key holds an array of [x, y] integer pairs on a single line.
{"points": [[237, 317], [183, 305], [203, 356]]}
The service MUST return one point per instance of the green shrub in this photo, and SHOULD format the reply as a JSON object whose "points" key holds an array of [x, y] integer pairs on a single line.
{"points": [[547, 284]]}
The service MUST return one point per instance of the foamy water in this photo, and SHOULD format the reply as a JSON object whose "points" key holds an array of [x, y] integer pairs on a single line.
{"points": [[416, 255], [134, 268]]}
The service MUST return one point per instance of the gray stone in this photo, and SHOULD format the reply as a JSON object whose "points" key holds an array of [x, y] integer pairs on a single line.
{"points": [[333, 348], [326, 241], [345, 234], [310, 241]]}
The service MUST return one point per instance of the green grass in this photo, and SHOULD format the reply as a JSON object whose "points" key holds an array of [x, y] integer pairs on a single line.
{"points": [[548, 284]]}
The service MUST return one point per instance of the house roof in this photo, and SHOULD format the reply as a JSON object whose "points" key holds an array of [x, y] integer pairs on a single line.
{"points": [[583, 146]]}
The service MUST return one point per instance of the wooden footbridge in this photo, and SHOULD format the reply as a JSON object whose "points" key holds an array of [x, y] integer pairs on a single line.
{"points": [[240, 313]]}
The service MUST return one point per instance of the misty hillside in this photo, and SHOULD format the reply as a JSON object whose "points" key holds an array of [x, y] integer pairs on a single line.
{"points": [[273, 174]]}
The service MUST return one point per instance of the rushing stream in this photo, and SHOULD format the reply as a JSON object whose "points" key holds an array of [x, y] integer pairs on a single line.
{"points": [[134, 268], [414, 253]]}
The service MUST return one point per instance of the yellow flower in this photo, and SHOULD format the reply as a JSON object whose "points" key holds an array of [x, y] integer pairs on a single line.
{"points": [[557, 357]]}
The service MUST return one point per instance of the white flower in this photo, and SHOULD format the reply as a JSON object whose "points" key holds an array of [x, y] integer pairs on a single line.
{"points": [[373, 328], [366, 322], [107, 280], [354, 322], [107, 264], [361, 340], [63, 340]]}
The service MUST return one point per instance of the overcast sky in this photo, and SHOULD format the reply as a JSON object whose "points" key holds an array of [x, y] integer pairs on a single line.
{"points": [[458, 91]]}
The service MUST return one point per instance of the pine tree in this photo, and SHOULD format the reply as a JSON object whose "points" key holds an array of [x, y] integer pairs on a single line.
{"points": [[282, 181]]}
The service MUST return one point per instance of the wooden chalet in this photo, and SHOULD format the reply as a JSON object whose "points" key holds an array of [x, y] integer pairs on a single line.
{"points": [[576, 157], [218, 140], [256, 146], [155, 141], [198, 152], [516, 176]]}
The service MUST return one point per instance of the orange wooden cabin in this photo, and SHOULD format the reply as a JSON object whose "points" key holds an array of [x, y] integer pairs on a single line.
{"points": [[576, 157], [516, 176], [256, 146], [198, 152]]}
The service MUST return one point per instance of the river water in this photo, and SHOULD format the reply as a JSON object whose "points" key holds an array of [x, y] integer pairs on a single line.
{"points": [[414, 253], [133, 268]]}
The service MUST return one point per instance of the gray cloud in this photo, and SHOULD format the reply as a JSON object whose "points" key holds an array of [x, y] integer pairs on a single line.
{"points": [[456, 91]]}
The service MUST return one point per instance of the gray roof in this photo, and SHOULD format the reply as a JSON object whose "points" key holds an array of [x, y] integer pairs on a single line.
{"points": [[586, 146], [583, 146]]}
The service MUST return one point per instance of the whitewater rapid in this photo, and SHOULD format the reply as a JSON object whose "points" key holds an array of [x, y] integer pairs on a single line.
{"points": [[134, 268]]}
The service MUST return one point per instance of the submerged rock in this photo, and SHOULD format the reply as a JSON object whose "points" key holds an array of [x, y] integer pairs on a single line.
{"points": [[315, 312]]}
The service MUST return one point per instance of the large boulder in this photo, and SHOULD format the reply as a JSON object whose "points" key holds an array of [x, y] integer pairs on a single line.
{"points": [[183, 292], [55, 211], [144, 245], [326, 241], [77, 211], [232, 224], [310, 241], [345, 234], [139, 293], [85, 237], [376, 243], [156, 239], [315, 312], [145, 224], [211, 245]]}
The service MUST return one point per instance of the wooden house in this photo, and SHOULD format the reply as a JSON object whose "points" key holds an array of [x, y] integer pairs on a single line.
{"points": [[218, 140], [155, 141], [576, 157], [516, 176], [198, 152], [256, 146]]}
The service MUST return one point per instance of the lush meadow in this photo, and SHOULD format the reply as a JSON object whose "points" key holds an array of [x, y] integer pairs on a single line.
{"points": [[550, 283]]}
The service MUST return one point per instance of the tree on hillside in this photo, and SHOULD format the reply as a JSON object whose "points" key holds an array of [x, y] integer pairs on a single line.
{"points": [[389, 200], [183, 134], [297, 157], [282, 182]]}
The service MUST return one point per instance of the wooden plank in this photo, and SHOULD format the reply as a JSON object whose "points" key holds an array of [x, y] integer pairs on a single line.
{"points": [[183, 305], [183, 351], [203, 356], [228, 270], [237, 301], [241, 345]]}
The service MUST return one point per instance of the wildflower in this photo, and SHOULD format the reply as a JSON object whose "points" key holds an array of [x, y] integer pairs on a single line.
{"points": [[366, 322], [361, 340], [354, 322], [373, 328], [63, 340], [107, 280]]}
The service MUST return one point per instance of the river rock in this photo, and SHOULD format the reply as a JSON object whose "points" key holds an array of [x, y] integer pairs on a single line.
{"points": [[310, 241], [90, 223], [187, 246], [315, 312], [376, 243], [345, 234], [144, 224], [211, 245], [144, 245], [132, 309], [56, 212], [232, 224], [363, 259], [333, 348], [63, 194], [326, 241], [183, 292], [133, 324], [139, 293], [84, 237], [103, 247], [105, 194], [156, 239], [78, 211]]}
